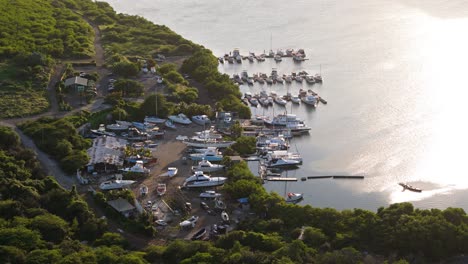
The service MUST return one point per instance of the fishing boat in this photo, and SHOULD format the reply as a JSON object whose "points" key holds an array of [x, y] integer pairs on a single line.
{"points": [[154, 120], [202, 120], [210, 195], [200, 180], [211, 154], [170, 124], [409, 187], [171, 172], [161, 189], [199, 234], [181, 119], [294, 197], [137, 168], [206, 166]]}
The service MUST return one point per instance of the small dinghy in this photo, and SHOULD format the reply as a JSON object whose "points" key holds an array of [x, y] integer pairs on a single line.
{"points": [[225, 217], [161, 189], [294, 197], [199, 234]]}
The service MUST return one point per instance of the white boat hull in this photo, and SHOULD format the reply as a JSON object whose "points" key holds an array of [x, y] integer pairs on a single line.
{"points": [[223, 144]]}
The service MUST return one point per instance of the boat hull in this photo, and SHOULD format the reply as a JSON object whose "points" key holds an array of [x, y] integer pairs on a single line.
{"points": [[224, 144]]}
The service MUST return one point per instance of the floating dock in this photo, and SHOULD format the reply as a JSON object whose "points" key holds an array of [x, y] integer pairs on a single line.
{"points": [[280, 179]]}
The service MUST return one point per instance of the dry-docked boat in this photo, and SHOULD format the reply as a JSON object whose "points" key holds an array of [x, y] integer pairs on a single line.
{"points": [[161, 189], [211, 154], [181, 119], [202, 120], [207, 166], [196, 143], [154, 120], [200, 180]]}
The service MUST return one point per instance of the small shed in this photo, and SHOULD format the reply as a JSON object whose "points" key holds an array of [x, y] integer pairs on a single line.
{"points": [[78, 83], [122, 206]]}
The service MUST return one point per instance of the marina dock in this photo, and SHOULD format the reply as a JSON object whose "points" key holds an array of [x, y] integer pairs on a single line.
{"points": [[280, 179]]}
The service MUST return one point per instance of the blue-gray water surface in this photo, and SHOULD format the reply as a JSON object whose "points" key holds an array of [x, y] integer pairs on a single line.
{"points": [[394, 78]]}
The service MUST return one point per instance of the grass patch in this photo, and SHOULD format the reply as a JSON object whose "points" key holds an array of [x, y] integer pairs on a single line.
{"points": [[22, 102]]}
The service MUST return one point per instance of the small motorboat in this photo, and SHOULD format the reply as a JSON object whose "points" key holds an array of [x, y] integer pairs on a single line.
{"points": [[181, 119], [171, 172], [154, 120], [310, 100], [160, 222], [211, 154], [189, 222], [161, 189], [206, 166], [253, 101], [294, 197], [117, 127], [204, 206], [280, 101], [275, 163], [225, 217], [201, 120], [221, 60], [199, 234], [409, 187], [278, 58], [170, 124], [210, 195], [295, 100]]}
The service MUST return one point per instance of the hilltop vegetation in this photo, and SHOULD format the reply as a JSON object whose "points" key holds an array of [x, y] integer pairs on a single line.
{"points": [[33, 33]]}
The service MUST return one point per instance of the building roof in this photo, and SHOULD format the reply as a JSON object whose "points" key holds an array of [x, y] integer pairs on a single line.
{"points": [[76, 80], [107, 150], [121, 205]]}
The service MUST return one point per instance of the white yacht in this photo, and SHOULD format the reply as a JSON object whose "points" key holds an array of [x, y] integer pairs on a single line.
{"points": [[208, 143], [199, 180], [181, 119], [206, 166]]}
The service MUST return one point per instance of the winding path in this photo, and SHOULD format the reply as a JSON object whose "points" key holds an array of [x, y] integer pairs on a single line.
{"points": [[50, 166]]}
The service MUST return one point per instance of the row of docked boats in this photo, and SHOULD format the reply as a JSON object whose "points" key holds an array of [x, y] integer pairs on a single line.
{"points": [[275, 78], [266, 100], [235, 56]]}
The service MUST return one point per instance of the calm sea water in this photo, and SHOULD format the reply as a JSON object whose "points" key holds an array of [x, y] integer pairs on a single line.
{"points": [[394, 78]]}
